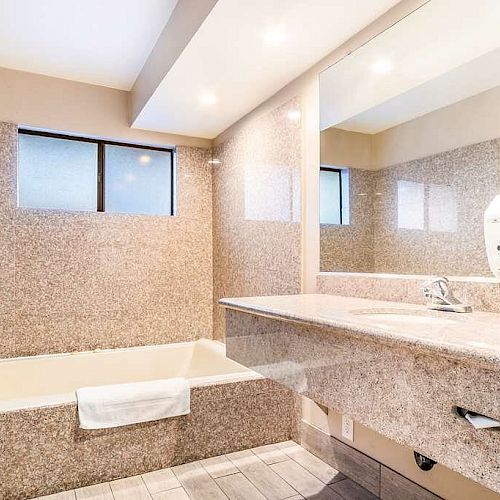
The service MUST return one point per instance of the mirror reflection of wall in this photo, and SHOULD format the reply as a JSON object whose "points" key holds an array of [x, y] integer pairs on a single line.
{"points": [[410, 146]]}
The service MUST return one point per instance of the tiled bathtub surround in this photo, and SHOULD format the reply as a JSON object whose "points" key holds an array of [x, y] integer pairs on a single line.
{"points": [[256, 196], [420, 217], [45, 451], [73, 281]]}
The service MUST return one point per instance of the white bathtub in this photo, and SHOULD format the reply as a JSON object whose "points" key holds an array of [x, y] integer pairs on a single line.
{"points": [[47, 380], [45, 451]]}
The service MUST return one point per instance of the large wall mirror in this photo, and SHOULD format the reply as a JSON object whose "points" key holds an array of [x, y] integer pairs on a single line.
{"points": [[410, 146]]}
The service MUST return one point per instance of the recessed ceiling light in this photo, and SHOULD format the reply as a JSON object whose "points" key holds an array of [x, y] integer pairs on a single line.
{"points": [[382, 66], [275, 37], [208, 98], [294, 115]]}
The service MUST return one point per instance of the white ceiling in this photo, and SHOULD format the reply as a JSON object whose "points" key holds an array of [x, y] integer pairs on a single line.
{"points": [[104, 42], [235, 57], [442, 53]]}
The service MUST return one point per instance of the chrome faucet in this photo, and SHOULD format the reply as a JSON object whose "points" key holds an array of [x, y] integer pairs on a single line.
{"points": [[437, 290]]}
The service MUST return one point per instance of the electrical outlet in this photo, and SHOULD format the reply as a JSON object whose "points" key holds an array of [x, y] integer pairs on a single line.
{"points": [[347, 427]]}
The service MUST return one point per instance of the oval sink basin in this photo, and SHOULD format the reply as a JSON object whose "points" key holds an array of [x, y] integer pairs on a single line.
{"points": [[404, 316]]}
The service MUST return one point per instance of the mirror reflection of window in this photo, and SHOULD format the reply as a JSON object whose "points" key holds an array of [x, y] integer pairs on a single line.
{"points": [[411, 205], [333, 196]]}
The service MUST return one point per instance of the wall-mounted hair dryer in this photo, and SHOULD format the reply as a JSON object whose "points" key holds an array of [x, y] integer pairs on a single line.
{"points": [[492, 235]]}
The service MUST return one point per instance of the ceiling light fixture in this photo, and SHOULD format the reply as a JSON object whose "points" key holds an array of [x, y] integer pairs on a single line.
{"points": [[208, 98], [275, 37], [382, 66]]}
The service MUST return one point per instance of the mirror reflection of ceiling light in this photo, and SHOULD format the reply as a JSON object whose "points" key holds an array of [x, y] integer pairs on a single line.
{"points": [[275, 37], [215, 161], [382, 66], [208, 98]]}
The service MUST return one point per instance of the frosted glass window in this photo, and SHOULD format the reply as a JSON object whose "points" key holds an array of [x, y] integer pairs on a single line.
{"points": [[137, 181], [411, 201], [330, 197], [57, 173]]}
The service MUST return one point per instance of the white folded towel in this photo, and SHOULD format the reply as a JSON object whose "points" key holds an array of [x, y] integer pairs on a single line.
{"points": [[108, 406]]}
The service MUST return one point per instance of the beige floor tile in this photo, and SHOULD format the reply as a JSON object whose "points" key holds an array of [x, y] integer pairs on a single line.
{"points": [[243, 458], [95, 492], [352, 491], [175, 494], [238, 487], [65, 495], [160, 480], [219, 466], [197, 482], [292, 473], [270, 454], [312, 463], [263, 478], [130, 488], [303, 481]]}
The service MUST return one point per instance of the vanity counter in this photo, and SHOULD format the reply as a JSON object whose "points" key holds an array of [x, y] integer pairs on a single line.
{"points": [[474, 336], [399, 369]]}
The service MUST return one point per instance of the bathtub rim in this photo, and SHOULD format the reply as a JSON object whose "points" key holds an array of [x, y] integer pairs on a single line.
{"points": [[57, 399], [98, 350]]}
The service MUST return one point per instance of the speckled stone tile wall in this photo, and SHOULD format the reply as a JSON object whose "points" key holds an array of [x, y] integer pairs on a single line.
{"points": [[458, 186], [256, 209], [73, 281], [420, 217], [224, 418]]}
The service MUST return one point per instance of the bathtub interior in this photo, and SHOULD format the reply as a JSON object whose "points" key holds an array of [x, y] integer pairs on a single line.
{"points": [[53, 379]]}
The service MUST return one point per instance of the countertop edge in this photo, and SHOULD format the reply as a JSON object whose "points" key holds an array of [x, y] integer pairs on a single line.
{"points": [[460, 353]]}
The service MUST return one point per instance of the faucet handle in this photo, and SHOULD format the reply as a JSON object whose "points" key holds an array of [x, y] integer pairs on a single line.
{"points": [[437, 289], [436, 286]]}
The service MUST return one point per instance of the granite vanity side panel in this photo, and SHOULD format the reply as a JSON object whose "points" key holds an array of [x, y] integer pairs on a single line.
{"points": [[224, 418], [82, 280], [350, 247], [404, 394], [256, 209]]}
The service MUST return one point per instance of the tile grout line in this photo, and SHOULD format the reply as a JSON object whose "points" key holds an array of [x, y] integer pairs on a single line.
{"points": [[145, 485], [263, 492], [326, 484], [211, 478]]}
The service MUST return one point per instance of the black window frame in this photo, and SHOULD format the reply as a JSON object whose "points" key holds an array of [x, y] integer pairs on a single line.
{"points": [[101, 161], [339, 171]]}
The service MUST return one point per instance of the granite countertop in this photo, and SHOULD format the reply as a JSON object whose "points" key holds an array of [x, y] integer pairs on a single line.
{"points": [[473, 336]]}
